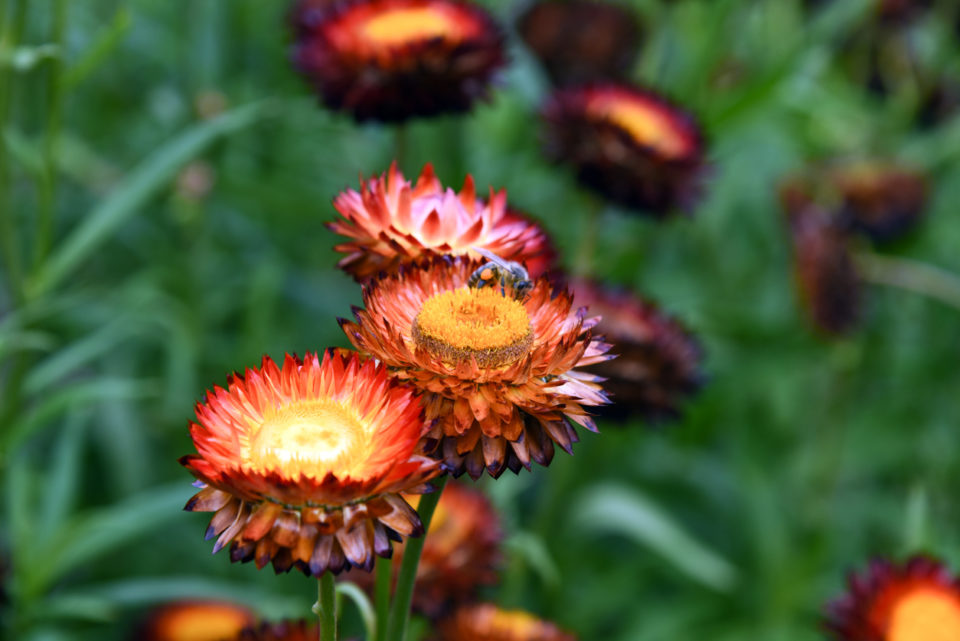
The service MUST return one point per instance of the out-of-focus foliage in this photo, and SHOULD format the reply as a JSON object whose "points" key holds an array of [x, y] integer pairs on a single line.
{"points": [[192, 174]]}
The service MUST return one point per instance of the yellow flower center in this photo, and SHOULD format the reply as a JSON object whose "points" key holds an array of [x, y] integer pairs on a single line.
{"points": [[646, 125], [310, 438], [402, 25], [926, 615], [474, 322]]}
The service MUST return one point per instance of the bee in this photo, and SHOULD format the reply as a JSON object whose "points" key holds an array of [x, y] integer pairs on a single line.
{"points": [[508, 274]]}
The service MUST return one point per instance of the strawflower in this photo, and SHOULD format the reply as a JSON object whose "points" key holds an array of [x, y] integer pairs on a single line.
{"points": [[392, 60], [303, 464], [391, 222], [628, 144], [498, 373], [918, 600]]}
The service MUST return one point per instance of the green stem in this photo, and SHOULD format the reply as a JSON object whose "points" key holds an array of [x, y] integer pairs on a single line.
{"points": [[403, 595], [911, 275], [381, 595], [587, 245], [400, 145], [9, 40], [327, 609], [48, 193]]}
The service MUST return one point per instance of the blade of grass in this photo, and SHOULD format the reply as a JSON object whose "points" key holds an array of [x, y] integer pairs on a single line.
{"points": [[626, 511], [137, 188]]}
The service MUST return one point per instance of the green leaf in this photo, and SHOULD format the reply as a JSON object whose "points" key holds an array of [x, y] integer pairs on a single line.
{"points": [[360, 599], [916, 522], [141, 184], [66, 399], [14, 341], [67, 360], [24, 59], [63, 475], [626, 511], [149, 590], [99, 531], [104, 44], [531, 549]]}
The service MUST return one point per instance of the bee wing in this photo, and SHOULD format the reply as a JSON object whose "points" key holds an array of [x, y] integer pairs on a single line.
{"points": [[492, 257]]}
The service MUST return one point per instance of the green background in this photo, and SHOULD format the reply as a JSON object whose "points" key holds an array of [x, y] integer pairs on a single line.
{"points": [[802, 457]]}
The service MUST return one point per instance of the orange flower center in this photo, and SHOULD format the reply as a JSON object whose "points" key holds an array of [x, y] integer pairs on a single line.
{"points": [[925, 615], [474, 322], [402, 25], [516, 623], [310, 438], [202, 622], [646, 125]]}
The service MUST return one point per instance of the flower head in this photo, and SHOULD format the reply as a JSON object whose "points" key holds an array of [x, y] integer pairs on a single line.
{"points": [[498, 373], [827, 279], [628, 144], [880, 200], [487, 622], [659, 362], [303, 464], [392, 60], [391, 222], [195, 620], [579, 41], [918, 600], [285, 631], [460, 554]]}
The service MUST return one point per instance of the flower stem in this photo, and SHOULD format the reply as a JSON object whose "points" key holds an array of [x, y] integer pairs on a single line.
{"points": [[9, 40], [381, 596], [403, 595], [400, 145], [48, 192], [586, 248], [911, 275], [328, 607]]}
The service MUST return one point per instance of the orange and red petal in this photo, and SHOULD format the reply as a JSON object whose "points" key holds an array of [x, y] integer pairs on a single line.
{"points": [[392, 222]]}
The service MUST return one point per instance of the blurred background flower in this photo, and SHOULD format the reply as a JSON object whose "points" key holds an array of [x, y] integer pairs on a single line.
{"points": [[487, 622], [909, 601], [461, 553], [391, 60]]}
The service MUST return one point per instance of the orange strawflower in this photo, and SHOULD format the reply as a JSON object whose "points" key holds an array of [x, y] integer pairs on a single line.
{"points": [[498, 373], [659, 364], [628, 144], [391, 222], [880, 199], [487, 622], [581, 41], [195, 620], [391, 60], [304, 465], [828, 282], [914, 601], [460, 554]]}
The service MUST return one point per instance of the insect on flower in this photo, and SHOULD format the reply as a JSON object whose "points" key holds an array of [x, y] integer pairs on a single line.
{"points": [[506, 273]]}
